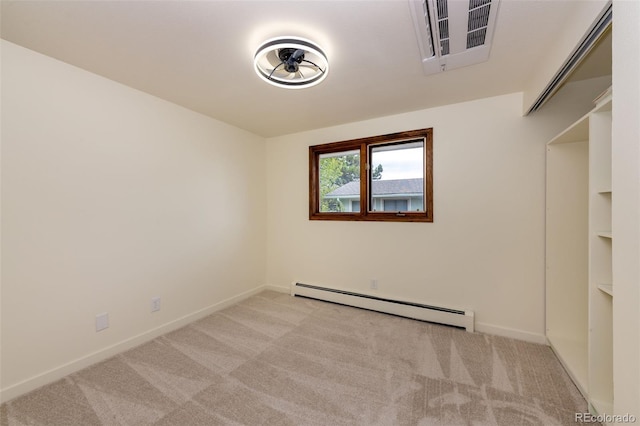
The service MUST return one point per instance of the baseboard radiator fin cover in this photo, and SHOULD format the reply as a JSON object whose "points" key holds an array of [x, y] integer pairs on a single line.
{"points": [[436, 314]]}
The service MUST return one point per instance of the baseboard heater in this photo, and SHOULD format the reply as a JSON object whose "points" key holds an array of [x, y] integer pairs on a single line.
{"points": [[436, 314]]}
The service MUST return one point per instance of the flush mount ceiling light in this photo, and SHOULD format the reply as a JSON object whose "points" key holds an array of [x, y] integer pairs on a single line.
{"points": [[291, 62]]}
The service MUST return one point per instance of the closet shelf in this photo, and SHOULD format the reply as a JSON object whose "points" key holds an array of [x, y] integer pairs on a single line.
{"points": [[606, 288]]}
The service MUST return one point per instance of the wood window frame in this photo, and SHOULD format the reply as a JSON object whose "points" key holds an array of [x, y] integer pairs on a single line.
{"points": [[363, 146]]}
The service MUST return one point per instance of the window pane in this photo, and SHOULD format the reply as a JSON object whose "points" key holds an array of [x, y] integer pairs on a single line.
{"points": [[397, 171], [339, 175], [395, 205]]}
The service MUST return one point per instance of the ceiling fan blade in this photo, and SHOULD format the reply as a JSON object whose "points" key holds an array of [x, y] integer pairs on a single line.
{"points": [[315, 65], [274, 70]]}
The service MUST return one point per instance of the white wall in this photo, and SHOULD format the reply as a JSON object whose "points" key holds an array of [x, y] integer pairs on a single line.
{"points": [[485, 249], [110, 197], [626, 206]]}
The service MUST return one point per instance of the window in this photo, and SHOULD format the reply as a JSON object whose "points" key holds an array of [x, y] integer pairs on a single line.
{"points": [[381, 178]]}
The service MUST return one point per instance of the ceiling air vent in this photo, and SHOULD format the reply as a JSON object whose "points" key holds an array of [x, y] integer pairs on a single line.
{"points": [[453, 33]]}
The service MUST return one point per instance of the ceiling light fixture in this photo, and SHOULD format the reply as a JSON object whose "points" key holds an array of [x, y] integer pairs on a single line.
{"points": [[291, 62]]}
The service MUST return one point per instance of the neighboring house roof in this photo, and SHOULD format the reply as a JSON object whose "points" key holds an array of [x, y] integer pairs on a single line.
{"points": [[380, 188]]}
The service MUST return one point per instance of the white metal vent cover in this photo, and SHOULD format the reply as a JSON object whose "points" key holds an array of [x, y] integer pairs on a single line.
{"points": [[453, 33]]}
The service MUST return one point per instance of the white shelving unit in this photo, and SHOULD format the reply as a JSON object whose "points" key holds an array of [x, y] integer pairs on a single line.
{"points": [[579, 282]]}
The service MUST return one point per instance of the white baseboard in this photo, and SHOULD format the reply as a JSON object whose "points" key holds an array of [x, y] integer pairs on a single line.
{"points": [[513, 333], [57, 373], [279, 289]]}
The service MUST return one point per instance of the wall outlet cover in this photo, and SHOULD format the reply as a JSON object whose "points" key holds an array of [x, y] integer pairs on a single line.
{"points": [[102, 321], [155, 304]]}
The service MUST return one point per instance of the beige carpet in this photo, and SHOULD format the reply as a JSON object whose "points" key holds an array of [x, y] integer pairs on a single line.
{"points": [[277, 360]]}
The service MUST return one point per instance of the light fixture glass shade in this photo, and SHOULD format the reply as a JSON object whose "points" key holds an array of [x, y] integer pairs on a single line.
{"points": [[291, 62]]}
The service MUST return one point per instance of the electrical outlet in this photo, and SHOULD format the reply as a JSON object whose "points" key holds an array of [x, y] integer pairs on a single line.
{"points": [[155, 304], [102, 321], [374, 284]]}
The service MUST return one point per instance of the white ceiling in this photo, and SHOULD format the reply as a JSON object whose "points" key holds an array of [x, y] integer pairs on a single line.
{"points": [[199, 54]]}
